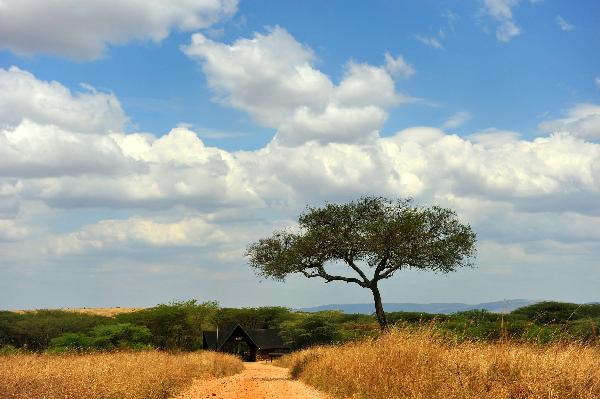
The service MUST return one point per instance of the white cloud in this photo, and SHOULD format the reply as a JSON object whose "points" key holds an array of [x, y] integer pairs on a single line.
{"points": [[501, 11], [138, 233], [564, 25], [10, 230], [24, 97], [398, 66], [83, 29], [35, 150], [597, 80], [582, 120], [271, 76], [69, 151], [207, 204], [175, 169], [66, 169], [456, 120], [429, 41]]}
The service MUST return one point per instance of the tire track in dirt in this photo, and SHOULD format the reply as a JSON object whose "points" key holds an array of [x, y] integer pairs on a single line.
{"points": [[257, 381]]}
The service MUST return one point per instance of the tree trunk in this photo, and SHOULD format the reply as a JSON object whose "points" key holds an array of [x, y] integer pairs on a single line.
{"points": [[379, 308]]}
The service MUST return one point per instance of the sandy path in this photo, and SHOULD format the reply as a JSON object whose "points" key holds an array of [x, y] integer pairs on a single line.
{"points": [[257, 381]]}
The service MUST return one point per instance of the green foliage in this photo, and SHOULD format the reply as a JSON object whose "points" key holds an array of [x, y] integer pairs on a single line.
{"points": [[72, 342], [263, 317], [9, 350], [558, 312], [373, 237], [175, 326], [105, 337], [586, 330], [386, 235], [414, 317], [179, 326], [310, 330], [35, 330]]}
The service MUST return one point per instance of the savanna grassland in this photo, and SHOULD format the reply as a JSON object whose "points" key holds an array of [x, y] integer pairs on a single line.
{"points": [[126, 375], [423, 364]]}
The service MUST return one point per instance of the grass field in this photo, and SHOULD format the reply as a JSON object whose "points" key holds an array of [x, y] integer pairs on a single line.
{"points": [[411, 365], [123, 375], [106, 312]]}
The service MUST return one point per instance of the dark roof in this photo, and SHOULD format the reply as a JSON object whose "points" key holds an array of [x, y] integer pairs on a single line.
{"points": [[261, 337]]}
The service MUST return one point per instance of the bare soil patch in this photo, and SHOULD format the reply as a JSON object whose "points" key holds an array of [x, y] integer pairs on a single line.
{"points": [[258, 381]]}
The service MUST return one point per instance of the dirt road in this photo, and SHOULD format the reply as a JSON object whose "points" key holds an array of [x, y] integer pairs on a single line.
{"points": [[257, 381]]}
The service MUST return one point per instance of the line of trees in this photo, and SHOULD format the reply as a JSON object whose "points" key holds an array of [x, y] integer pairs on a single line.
{"points": [[178, 326]]}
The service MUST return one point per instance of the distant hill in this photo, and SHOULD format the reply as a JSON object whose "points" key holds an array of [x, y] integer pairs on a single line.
{"points": [[444, 308]]}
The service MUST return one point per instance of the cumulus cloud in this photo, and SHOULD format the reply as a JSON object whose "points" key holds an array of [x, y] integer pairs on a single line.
{"points": [[69, 150], [582, 120], [138, 232], [208, 203], [398, 66], [65, 168], [35, 150], [175, 169], [83, 30], [272, 77], [24, 97]]}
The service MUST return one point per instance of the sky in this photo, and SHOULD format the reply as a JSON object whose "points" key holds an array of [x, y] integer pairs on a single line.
{"points": [[145, 144]]}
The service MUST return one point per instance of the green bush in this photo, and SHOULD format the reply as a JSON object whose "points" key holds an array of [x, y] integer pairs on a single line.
{"points": [[585, 330], [35, 330], [9, 350], [262, 317], [175, 326], [310, 330], [543, 334], [414, 317], [558, 312], [72, 342], [105, 337]]}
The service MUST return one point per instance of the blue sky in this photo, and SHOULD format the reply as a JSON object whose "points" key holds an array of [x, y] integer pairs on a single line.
{"points": [[145, 147], [474, 72]]}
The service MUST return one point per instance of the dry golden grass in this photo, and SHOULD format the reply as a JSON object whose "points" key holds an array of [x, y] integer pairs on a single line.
{"points": [[421, 365], [123, 375], [107, 312]]}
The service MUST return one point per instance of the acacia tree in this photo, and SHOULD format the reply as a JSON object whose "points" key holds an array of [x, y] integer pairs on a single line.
{"points": [[373, 237]]}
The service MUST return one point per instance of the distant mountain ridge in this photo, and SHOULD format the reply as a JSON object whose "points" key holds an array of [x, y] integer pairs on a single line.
{"points": [[505, 306]]}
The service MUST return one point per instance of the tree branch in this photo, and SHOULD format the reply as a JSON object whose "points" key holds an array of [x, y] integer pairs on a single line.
{"points": [[351, 263], [380, 266], [320, 272]]}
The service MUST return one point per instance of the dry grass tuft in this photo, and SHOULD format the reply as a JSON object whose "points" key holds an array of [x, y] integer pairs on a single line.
{"points": [[421, 365], [124, 375]]}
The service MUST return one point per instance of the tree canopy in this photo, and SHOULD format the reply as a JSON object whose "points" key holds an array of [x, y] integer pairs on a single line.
{"points": [[373, 236]]}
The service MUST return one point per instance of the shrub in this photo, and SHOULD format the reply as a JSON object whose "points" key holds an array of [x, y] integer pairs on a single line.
{"points": [[176, 326], [34, 330], [104, 337], [585, 330], [310, 330], [9, 350], [557, 312]]}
